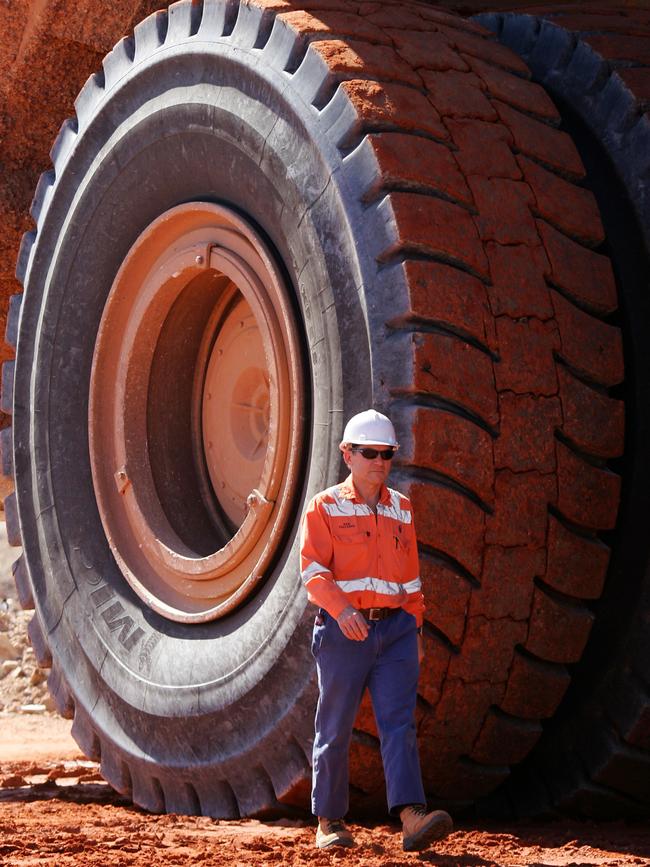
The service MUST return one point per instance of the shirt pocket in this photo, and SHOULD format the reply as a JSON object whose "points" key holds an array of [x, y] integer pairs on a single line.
{"points": [[351, 553], [400, 549]]}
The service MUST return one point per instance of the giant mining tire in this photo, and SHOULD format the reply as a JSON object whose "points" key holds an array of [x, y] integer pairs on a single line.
{"points": [[384, 191]]}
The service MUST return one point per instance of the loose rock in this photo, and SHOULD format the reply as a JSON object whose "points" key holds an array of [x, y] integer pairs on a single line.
{"points": [[7, 650], [15, 781], [38, 676]]}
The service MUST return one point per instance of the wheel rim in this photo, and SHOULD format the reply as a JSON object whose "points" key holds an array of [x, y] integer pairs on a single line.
{"points": [[195, 417]]}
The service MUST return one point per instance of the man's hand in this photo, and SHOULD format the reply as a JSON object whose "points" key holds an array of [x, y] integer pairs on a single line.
{"points": [[353, 624], [420, 648]]}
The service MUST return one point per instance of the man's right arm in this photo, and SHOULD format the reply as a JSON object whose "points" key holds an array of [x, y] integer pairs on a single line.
{"points": [[316, 554]]}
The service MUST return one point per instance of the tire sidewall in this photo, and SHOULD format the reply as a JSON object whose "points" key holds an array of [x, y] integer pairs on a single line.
{"points": [[146, 150]]}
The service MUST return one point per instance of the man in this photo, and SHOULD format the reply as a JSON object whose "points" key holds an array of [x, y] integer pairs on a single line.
{"points": [[360, 565]]}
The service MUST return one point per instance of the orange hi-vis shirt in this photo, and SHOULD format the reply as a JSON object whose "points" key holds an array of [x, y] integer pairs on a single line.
{"points": [[350, 556]]}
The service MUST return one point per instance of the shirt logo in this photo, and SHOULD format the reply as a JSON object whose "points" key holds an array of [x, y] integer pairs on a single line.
{"points": [[347, 525]]}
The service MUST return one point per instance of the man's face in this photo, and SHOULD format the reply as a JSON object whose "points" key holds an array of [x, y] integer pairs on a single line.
{"points": [[371, 472]]}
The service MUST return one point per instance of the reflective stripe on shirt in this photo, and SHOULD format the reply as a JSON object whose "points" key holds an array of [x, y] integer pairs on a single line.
{"points": [[314, 568], [345, 508], [395, 510], [378, 585]]}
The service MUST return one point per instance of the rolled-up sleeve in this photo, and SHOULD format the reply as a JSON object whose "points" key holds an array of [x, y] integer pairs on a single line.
{"points": [[316, 552]]}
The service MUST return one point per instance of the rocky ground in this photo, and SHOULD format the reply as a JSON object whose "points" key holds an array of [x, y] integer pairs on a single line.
{"points": [[55, 809], [23, 685], [61, 813]]}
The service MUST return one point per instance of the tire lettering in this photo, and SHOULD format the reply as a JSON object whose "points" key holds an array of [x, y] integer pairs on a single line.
{"points": [[124, 624], [144, 659], [101, 595], [115, 618]]}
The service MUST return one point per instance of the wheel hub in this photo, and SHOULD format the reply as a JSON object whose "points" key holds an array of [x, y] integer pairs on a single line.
{"points": [[196, 413]]}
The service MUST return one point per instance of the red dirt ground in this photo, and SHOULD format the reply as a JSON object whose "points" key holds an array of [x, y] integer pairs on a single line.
{"points": [[56, 810]]}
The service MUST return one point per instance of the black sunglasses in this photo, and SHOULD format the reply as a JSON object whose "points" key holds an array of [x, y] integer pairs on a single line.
{"points": [[371, 454]]}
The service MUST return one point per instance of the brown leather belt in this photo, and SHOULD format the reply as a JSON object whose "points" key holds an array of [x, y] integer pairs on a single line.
{"points": [[378, 613]]}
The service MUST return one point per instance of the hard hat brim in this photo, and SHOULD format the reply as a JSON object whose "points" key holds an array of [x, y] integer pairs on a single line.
{"points": [[368, 445]]}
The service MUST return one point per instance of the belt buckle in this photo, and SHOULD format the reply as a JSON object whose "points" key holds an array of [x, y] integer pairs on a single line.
{"points": [[374, 614]]}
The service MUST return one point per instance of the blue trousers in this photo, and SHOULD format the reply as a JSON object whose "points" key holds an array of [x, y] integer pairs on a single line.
{"points": [[387, 663]]}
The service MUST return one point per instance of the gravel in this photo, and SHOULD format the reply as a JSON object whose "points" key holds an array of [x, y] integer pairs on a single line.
{"points": [[23, 684]]}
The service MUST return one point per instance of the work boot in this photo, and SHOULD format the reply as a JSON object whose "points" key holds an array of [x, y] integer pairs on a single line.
{"points": [[420, 828], [332, 832]]}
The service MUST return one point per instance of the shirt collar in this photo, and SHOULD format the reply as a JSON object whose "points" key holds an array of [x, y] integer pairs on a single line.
{"points": [[348, 491]]}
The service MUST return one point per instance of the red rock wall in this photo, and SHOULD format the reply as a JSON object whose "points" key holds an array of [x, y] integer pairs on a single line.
{"points": [[48, 48]]}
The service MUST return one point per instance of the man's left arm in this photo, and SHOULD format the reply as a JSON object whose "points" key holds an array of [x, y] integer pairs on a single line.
{"points": [[414, 602]]}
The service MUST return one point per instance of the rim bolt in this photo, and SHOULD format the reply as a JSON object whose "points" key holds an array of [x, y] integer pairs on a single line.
{"points": [[122, 480]]}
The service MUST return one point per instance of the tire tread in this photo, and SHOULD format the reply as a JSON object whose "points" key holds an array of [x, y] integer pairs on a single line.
{"points": [[584, 73], [23, 583]]}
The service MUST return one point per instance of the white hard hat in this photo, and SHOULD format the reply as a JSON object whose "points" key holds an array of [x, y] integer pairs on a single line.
{"points": [[369, 427]]}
